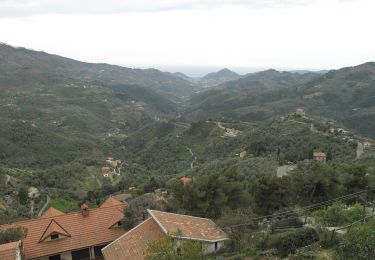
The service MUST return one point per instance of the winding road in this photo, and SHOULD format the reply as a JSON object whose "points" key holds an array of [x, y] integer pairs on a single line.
{"points": [[194, 158], [44, 206], [359, 150]]}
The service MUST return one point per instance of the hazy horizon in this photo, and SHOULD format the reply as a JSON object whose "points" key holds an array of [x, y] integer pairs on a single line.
{"points": [[280, 34]]}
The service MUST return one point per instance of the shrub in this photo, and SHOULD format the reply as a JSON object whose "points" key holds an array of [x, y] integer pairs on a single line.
{"points": [[12, 235], [289, 243], [358, 244]]}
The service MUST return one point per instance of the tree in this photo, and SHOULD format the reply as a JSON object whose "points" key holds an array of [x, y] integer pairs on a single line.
{"points": [[12, 235], [358, 244], [22, 195], [175, 249]]}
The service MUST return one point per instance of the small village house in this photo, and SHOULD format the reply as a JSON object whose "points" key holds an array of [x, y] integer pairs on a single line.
{"points": [[243, 154], [106, 171], [133, 244], [11, 251], [300, 112], [319, 156], [71, 236], [367, 144], [185, 180]]}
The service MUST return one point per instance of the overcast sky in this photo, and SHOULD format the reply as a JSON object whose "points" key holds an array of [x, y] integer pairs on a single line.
{"points": [[282, 34]]}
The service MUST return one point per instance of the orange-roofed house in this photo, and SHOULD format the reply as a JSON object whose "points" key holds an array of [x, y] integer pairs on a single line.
{"points": [[133, 244], [243, 154], [319, 156], [72, 236], [11, 251], [185, 180]]}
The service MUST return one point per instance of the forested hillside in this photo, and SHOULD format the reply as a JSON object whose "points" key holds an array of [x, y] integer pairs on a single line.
{"points": [[346, 95], [79, 132]]}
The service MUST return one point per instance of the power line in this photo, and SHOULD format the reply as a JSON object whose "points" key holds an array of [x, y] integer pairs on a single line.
{"points": [[303, 209]]}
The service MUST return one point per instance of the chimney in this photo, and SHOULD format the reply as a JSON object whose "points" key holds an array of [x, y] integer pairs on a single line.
{"points": [[85, 210]]}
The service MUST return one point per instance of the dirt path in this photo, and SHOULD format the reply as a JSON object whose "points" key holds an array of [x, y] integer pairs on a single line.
{"points": [[221, 126], [7, 180], [44, 206], [359, 150], [194, 158]]}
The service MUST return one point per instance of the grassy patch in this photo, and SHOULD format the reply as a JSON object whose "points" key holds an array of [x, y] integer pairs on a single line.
{"points": [[64, 203]]}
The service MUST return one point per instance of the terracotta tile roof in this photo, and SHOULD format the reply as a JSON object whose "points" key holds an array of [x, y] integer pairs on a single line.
{"points": [[84, 231], [133, 245], [117, 216], [122, 197], [9, 251], [52, 212], [111, 202], [319, 154], [188, 227], [185, 180], [54, 228]]}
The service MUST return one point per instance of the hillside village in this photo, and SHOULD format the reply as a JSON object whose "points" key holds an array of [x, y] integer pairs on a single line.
{"points": [[106, 162], [140, 219]]}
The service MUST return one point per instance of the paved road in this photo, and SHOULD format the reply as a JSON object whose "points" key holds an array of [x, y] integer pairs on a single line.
{"points": [[44, 206], [359, 150], [282, 171]]}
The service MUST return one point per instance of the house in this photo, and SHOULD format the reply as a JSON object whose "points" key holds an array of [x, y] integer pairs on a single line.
{"points": [[133, 244], [300, 112], [11, 251], [33, 193], [122, 197], [243, 154], [185, 180], [367, 144], [72, 236], [319, 156]]}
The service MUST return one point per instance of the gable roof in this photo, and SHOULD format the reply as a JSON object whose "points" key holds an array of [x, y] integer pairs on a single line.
{"points": [[185, 180], [116, 217], [319, 154], [111, 202], [133, 245], [54, 228], [9, 251], [52, 212], [84, 231], [188, 227], [122, 197]]}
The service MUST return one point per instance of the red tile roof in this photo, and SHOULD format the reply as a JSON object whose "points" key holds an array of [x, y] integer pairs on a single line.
{"points": [[9, 251], [54, 228], [84, 231], [52, 212], [185, 180], [111, 202], [122, 197], [188, 227], [319, 154], [133, 245]]}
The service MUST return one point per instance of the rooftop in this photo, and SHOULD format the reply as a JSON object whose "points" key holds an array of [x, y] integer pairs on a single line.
{"points": [[76, 230], [188, 227], [9, 251]]}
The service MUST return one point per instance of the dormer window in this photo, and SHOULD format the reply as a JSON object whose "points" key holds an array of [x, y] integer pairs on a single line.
{"points": [[54, 236]]}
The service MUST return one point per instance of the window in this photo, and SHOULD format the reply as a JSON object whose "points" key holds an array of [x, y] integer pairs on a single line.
{"points": [[54, 257], [54, 236], [119, 224], [216, 246]]}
